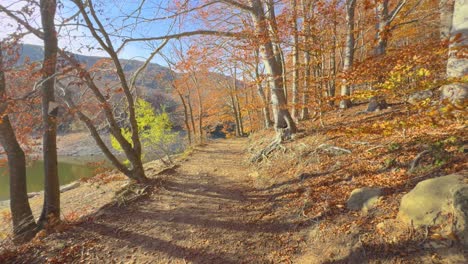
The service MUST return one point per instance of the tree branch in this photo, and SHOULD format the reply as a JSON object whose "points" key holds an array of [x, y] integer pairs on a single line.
{"points": [[139, 70], [395, 11], [188, 34]]}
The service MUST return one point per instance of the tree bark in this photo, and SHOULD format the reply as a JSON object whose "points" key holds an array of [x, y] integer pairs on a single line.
{"points": [[306, 10], [237, 105], [295, 61], [445, 13], [192, 118], [261, 93], [282, 117], [24, 225], [349, 52], [200, 107], [51, 209], [186, 118], [457, 64], [332, 73]]}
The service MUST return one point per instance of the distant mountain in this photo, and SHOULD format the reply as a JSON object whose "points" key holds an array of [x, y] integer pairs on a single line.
{"points": [[154, 77]]}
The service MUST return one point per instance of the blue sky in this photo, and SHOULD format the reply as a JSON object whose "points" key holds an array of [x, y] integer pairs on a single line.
{"points": [[77, 38]]}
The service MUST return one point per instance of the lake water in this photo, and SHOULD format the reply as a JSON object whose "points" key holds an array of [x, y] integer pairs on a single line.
{"points": [[68, 172]]}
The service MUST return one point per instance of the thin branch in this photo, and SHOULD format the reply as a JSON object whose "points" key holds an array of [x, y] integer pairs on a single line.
{"points": [[188, 34], [395, 11], [142, 67]]}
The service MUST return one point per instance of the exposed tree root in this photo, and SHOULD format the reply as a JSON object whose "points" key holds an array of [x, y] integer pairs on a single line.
{"points": [[131, 193], [263, 154], [417, 160], [333, 149]]}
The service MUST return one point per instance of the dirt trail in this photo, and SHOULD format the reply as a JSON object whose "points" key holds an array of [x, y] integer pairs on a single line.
{"points": [[205, 212]]}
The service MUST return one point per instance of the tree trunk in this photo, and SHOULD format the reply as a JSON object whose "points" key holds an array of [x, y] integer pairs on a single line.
{"points": [[192, 119], [24, 226], [239, 115], [51, 208], [186, 118], [237, 102], [381, 26], [306, 10], [282, 117], [384, 21], [235, 115], [270, 18], [445, 12], [295, 61], [200, 109], [349, 52], [261, 93], [332, 64], [457, 64], [377, 102]]}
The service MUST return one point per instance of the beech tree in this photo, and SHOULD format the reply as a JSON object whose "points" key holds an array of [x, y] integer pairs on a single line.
{"points": [[51, 209], [349, 51], [457, 64]]}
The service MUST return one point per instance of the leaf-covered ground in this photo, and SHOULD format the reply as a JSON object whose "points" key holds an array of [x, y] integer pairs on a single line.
{"points": [[377, 151], [290, 208]]}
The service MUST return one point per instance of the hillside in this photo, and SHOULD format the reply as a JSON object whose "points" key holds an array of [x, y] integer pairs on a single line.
{"points": [[155, 77]]}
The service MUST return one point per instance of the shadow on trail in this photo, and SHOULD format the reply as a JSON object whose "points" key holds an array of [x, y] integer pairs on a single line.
{"points": [[186, 217], [196, 255], [204, 212], [207, 190]]}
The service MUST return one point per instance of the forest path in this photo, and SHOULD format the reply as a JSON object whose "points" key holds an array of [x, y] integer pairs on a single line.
{"points": [[205, 212]]}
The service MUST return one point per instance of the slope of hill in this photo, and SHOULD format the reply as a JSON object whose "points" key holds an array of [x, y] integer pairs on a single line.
{"points": [[154, 77]]}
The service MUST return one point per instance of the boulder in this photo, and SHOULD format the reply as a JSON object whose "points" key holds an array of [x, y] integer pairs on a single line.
{"points": [[455, 93], [363, 198], [439, 201], [420, 96], [376, 104]]}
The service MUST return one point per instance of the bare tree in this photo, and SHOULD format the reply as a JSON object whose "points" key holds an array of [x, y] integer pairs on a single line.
{"points": [[51, 208], [24, 225], [307, 12], [295, 60], [349, 51], [132, 149]]}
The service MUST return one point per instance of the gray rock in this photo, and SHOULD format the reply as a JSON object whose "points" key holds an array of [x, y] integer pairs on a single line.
{"points": [[455, 93], [439, 201], [363, 198], [376, 104], [420, 96]]}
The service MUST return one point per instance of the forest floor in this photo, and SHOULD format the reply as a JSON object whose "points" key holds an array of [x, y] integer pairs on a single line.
{"points": [[205, 211], [217, 207]]}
